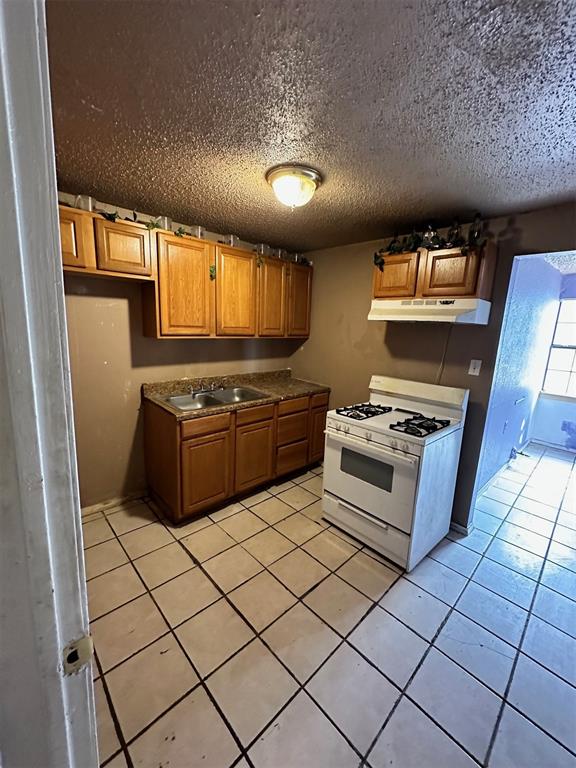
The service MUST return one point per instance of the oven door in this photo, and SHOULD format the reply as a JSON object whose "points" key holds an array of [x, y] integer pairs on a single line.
{"points": [[376, 479]]}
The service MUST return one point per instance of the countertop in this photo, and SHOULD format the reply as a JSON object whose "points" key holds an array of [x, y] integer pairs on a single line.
{"points": [[275, 385]]}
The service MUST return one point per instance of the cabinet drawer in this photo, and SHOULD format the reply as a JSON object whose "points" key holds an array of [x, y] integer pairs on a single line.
{"points": [[205, 425], [291, 457], [251, 415], [319, 400], [293, 406], [292, 428]]}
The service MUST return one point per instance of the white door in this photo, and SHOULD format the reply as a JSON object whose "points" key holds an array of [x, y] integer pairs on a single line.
{"points": [[46, 717]]}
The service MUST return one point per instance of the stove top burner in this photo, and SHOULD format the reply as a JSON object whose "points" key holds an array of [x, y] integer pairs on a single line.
{"points": [[419, 425], [363, 411]]}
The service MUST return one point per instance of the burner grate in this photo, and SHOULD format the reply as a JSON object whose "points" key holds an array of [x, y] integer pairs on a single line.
{"points": [[420, 426], [363, 411]]}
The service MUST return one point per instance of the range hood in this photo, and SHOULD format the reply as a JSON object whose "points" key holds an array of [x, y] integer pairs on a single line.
{"points": [[465, 311]]}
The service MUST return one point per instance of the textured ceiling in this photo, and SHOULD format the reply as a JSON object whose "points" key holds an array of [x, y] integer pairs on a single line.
{"points": [[411, 110]]}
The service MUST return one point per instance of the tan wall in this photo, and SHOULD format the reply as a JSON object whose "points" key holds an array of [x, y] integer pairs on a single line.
{"points": [[345, 349], [110, 359]]}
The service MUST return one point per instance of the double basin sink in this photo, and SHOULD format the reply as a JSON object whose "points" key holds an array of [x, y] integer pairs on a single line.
{"points": [[214, 398]]}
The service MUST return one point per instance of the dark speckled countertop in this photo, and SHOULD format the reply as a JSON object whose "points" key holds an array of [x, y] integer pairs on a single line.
{"points": [[274, 385]]}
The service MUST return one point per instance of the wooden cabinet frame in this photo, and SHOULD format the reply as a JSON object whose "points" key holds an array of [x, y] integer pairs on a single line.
{"points": [[115, 239], [236, 285], [398, 276]]}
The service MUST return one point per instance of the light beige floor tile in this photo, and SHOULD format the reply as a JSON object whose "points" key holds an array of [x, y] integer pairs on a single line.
{"points": [[213, 635], [145, 540], [227, 511], [339, 604], [318, 470], [251, 688], [298, 528], [411, 739], [113, 589], [262, 599], [331, 550], [368, 575], [185, 595], [242, 525], [256, 498], [281, 487], [163, 564], [107, 739], [191, 735], [303, 477], [302, 737], [103, 557], [127, 630], [180, 531], [298, 497], [314, 485], [147, 684], [355, 695], [272, 510], [118, 762], [344, 536], [129, 518], [268, 546], [232, 567], [314, 512], [208, 542], [301, 640], [298, 571], [415, 607], [96, 531], [519, 743]]}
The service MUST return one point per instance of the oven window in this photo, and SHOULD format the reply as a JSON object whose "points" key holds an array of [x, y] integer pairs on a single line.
{"points": [[373, 471]]}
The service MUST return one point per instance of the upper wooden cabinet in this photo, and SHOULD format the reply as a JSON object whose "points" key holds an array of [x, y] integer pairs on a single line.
{"points": [[235, 292], [123, 246], [271, 297], [446, 272], [398, 277], [299, 300], [186, 290], [450, 273], [77, 238]]}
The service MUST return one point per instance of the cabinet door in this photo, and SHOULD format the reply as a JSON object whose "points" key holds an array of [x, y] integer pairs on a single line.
{"points": [[398, 278], [254, 454], [235, 292], [271, 298], [186, 291], [123, 246], [76, 238], [206, 471], [317, 427], [299, 299], [450, 273]]}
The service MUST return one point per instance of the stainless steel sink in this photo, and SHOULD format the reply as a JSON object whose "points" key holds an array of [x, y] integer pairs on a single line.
{"points": [[236, 394], [193, 402], [212, 399]]}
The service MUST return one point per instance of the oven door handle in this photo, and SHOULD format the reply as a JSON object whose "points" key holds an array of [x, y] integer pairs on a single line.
{"points": [[371, 449]]}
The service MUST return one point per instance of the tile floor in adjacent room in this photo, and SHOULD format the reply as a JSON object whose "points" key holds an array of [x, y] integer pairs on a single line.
{"points": [[260, 635]]}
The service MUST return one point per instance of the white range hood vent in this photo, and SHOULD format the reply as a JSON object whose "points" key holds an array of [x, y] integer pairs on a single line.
{"points": [[469, 311]]}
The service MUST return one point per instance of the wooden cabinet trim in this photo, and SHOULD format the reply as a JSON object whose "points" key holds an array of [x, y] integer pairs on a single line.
{"points": [[235, 292], [254, 462], [292, 428], [271, 297], [319, 400], [291, 457], [316, 434], [77, 239], [204, 425], [252, 415], [299, 288], [206, 471], [460, 272]]}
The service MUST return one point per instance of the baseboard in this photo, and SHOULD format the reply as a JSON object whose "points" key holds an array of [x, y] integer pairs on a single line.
{"points": [[102, 506], [463, 529]]}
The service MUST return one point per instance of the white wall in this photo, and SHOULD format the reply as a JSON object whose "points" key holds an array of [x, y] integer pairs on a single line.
{"points": [[554, 421]]}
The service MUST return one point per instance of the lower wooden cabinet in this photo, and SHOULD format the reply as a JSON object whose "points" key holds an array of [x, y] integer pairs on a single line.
{"points": [[254, 455], [206, 471], [195, 464]]}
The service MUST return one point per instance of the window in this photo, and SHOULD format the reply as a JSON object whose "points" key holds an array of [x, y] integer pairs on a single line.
{"points": [[560, 376]]}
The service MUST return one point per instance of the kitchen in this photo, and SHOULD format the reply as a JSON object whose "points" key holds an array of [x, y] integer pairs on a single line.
{"points": [[278, 432]]}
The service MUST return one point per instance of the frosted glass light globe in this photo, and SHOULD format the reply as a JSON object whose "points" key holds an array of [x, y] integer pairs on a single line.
{"points": [[293, 185]]}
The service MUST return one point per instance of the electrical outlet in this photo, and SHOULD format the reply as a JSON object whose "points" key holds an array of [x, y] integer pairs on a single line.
{"points": [[474, 369]]}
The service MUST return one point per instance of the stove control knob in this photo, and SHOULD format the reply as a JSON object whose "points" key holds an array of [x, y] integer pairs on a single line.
{"points": [[405, 447], [368, 436], [346, 429], [393, 443], [338, 427]]}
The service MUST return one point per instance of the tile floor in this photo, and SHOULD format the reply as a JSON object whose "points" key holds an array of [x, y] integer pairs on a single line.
{"points": [[261, 636]]}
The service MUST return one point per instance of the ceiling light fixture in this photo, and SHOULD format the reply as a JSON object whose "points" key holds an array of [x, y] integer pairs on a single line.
{"points": [[293, 185]]}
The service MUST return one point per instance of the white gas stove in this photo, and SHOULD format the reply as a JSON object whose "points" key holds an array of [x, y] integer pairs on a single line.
{"points": [[390, 466]]}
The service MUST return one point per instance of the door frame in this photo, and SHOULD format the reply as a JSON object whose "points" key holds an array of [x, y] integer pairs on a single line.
{"points": [[46, 717]]}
